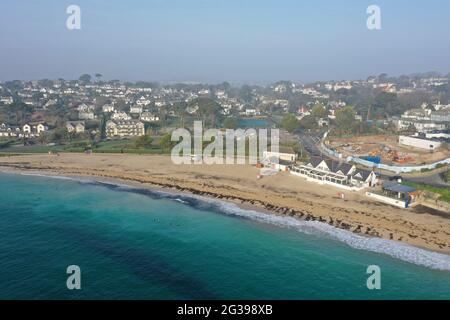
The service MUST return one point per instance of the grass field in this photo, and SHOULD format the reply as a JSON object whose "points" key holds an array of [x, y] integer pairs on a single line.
{"points": [[107, 146], [443, 192]]}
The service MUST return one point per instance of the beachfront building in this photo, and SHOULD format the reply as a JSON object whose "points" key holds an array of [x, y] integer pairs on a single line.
{"points": [[281, 160], [127, 128], [283, 153], [277, 164], [395, 194], [342, 175]]}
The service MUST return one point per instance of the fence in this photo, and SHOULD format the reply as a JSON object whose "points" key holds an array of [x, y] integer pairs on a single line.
{"points": [[398, 169]]}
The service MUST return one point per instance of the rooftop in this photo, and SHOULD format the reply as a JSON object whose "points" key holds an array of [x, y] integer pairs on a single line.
{"points": [[396, 187]]}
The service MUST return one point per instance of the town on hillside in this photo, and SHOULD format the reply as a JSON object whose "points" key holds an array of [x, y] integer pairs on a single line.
{"points": [[349, 134]]}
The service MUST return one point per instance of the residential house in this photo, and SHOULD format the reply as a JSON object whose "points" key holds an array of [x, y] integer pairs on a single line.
{"points": [[9, 131], [86, 115], [6, 100], [149, 117], [136, 109], [120, 116], [323, 122], [192, 109], [108, 108], [32, 131], [142, 101], [75, 126]]}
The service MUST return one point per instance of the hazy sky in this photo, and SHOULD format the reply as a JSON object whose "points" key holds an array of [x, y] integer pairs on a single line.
{"points": [[239, 41]]}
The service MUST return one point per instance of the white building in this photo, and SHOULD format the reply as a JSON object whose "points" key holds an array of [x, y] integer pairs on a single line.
{"points": [[129, 128], [252, 112], [286, 154], [8, 131], [149, 117], [136, 109], [108, 108], [40, 128], [342, 175], [75, 126], [120, 116], [32, 131], [86, 115], [142, 101], [420, 125], [6, 100], [420, 143], [85, 108], [26, 128]]}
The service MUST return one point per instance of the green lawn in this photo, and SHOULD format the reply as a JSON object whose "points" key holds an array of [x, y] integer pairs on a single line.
{"points": [[108, 146], [443, 192]]}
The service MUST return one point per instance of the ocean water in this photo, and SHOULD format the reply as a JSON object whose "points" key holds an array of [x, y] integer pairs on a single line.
{"points": [[140, 244]]}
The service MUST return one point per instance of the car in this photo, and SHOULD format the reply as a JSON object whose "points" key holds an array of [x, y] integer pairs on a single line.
{"points": [[399, 179]]}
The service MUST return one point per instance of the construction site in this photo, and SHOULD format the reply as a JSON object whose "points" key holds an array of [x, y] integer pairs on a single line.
{"points": [[386, 149]]}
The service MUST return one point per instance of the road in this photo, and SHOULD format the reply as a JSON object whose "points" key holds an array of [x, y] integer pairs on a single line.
{"points": [[309, 143]]}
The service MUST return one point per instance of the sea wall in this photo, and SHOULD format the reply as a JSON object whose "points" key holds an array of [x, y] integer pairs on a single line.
{"points": [[431, 200]]}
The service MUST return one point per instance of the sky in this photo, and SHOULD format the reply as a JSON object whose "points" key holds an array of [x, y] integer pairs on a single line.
{"points": [[239, 41]]}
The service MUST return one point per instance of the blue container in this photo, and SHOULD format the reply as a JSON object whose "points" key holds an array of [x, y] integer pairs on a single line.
{"points": [[376, 160]]}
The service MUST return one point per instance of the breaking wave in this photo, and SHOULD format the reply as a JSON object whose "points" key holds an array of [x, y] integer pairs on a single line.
{"points": [[391, 248]]}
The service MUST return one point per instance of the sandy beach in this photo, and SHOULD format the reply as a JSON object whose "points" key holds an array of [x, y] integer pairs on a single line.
{"points": [[282, 194]]}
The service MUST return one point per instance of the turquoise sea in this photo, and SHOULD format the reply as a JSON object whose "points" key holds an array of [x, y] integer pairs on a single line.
{"points": [[140, 244]]}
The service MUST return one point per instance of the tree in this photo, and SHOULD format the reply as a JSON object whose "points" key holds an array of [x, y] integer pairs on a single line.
{"points": [[144, 141], [207, 108], [59, 135], [345, 118], [308, 122], [245, 93], [43, 137], [98, 76], [290, 123], [86, 78], [103, 128], [166, 141], [318, 111]]}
